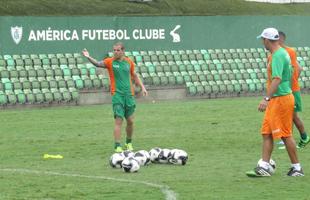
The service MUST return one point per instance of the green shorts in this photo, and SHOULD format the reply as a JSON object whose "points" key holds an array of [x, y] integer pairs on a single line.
{"points": [[297, 97], [123, 105]]}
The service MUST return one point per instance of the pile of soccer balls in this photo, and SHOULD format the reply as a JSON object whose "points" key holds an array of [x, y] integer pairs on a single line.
{"points": [[131, 162]]}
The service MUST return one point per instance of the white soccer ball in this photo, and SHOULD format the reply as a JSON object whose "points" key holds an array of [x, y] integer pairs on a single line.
{"points": [[130, 164], [164, 156], [178, 157], [272, 167], [116, 160], [128, 153], [143, 157], [154, 153]]}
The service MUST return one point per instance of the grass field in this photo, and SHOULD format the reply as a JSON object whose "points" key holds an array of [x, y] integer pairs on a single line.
{"points": [[157, 7], [221, 136]]}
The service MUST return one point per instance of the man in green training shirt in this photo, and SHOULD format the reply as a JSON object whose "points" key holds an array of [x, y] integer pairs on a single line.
{"points": [[278, 105], [122, 72]]}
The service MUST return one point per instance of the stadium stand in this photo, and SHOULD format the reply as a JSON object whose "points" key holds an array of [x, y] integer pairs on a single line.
{"points": [[48, 78]]}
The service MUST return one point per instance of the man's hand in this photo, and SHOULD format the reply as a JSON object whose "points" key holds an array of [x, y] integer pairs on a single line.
{"points": [[144, 92], [262, 105], [85, 53]]}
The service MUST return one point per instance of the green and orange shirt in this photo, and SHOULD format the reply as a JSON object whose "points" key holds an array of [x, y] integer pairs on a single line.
{"points": [[294, 63], [121, 74], [279, 66]]}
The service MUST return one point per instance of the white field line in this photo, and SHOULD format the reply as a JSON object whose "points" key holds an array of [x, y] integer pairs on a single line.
{"points": [[169, 194]]}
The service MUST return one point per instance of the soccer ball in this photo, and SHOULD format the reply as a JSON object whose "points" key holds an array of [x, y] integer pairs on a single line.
{"points": [[143, 157], [116, 160], [128, 153], [272, 167], [164, 155], [130, 164], [154, 153], [178, 156]]}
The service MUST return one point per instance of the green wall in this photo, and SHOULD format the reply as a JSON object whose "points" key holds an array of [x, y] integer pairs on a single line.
{"points": [[65, 34]]}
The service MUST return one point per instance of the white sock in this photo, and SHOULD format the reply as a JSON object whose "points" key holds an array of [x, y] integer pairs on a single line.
{"points": [[297, 166], [264, 164]]}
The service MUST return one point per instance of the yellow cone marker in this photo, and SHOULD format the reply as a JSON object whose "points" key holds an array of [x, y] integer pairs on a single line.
{"points": [[47, 156]]}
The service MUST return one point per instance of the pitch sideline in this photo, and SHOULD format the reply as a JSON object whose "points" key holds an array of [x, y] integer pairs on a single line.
{"points": [[169, 194]]}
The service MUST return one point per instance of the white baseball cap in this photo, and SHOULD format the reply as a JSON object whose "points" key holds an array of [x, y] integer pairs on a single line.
{"points": [[270, 34]]}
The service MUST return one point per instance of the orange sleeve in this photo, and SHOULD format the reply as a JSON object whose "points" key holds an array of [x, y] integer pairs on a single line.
{"points": [[108, 62], [293, 57]]}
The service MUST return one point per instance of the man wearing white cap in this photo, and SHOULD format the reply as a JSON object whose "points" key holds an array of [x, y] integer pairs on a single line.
{"points": [[278, 105]]}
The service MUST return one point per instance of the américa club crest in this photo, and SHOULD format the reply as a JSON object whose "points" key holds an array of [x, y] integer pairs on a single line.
{"points": [[17, 34]]}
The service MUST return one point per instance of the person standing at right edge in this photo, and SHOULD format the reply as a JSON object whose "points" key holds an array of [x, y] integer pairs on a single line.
{"points": [[278, 105], [304, 138]]}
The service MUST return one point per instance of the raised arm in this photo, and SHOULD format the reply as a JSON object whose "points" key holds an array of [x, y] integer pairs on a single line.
{"points": [[92, 60]]}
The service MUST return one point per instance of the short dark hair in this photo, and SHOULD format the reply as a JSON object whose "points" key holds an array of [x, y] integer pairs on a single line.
{"points": [[281, 33]]}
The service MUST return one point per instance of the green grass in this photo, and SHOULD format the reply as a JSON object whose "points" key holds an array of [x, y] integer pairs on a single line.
{"points": [[221, 136], [157, 7]]}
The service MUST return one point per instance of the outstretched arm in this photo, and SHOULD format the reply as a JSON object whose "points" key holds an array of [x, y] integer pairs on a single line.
{"points": [[139, 82], [92, 60]]}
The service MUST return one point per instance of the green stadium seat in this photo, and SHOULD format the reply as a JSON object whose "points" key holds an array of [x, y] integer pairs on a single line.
{"points": [[42, 56], [49, 72], [34, 56], [57, 96], [40, 71], [54, 61], [79, 84], [171, 78], [61, 82], [19, 62], [146, 58], [8, 86], [88, 84], [66, 95], [57, 72], [37, 61], [25, 56], [193, 75], [155, 79], [44, 84], [91, 69], [95, 81], [2, 63], [179, 78], [71, 61], [79, 60], [199, 88], [192, 90], [30, 98], [46, 61], [186, 77], [143, 69], [17, 85], [3, 98], [1, 86], [12, 99], [52, 82], [69, 81], [163, 79], [35, 84], [4, 73], [74, 94], [48, 95], [236, 85], [105, 81], [21, 97], [32, 73]]}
